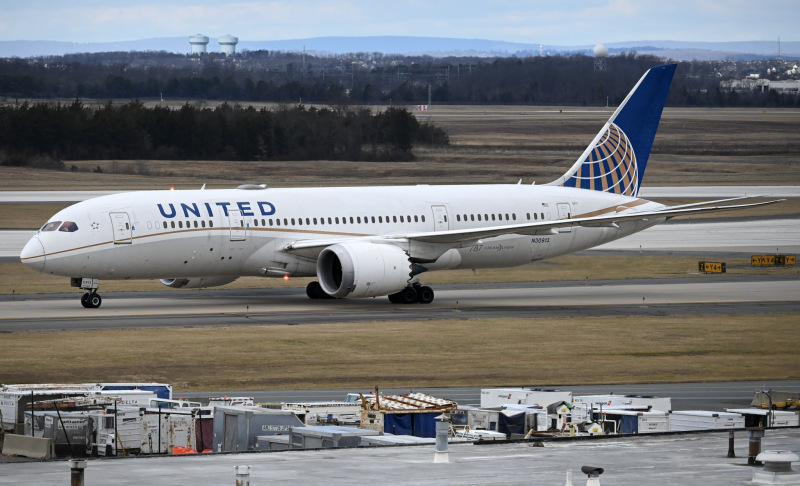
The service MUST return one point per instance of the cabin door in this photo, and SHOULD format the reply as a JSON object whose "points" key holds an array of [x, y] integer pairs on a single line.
{"points": [[440, 222], [564, 212], [237, 225], [123, 231]]}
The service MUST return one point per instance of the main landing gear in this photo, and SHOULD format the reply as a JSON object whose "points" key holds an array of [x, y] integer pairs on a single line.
{"points": [[410, 295], [314, 291], [413, 294], [91, 300]]}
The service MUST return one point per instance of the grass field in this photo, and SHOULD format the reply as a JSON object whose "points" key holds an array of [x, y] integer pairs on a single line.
{"points": [[489, 144], [484, 352]]}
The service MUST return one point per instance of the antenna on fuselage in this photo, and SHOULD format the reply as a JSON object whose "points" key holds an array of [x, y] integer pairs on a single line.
{"points": [[203, 188]]}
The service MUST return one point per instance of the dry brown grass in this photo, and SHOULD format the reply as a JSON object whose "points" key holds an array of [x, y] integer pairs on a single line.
{"points": [[15, 278], [414, 354]]}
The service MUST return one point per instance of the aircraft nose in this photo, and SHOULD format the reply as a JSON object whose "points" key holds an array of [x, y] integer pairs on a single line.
{"points": [[33, 254]]}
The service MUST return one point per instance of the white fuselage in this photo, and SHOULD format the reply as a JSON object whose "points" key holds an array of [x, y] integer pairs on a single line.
{"points": [[239, 232]]}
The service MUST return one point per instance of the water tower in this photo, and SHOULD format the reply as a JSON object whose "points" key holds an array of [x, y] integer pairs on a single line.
{"points": [[227, 44], [199, 43], [600, 54]]}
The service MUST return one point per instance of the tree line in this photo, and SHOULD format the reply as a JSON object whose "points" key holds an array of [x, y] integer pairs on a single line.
{"points": [[372, 78], [131, 130]]}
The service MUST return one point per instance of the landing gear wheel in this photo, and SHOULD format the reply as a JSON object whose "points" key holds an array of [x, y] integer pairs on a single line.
{"points": [[314, 290], [424, 295], [408, 295], [94, 300], [91, 300]]}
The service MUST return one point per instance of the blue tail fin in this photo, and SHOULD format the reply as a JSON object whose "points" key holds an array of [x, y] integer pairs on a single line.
{"points": [[615, 160]]}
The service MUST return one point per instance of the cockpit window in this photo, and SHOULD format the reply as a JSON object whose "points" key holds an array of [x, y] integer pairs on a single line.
{"points": [[68, 226], [51, 226]]}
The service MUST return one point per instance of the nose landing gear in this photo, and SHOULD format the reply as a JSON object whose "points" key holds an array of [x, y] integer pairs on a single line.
{"points": [[91, 299]]}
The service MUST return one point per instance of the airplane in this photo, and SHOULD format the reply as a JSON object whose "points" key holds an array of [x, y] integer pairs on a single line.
{"points": [[366, 241]]}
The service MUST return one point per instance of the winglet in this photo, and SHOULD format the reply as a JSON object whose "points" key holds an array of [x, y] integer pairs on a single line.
{"points": [[615, 160]]}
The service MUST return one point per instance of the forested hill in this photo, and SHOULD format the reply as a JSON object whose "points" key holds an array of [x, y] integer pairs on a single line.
{"points": [[374, 78]]}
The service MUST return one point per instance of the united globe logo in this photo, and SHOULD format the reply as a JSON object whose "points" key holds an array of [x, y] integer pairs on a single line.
{"points": [[610, 167]]}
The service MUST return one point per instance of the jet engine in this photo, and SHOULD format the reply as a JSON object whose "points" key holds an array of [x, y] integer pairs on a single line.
{"points": [[361, 269], [197, 282]]}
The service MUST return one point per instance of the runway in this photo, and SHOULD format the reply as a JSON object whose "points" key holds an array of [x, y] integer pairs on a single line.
{"points": [[684, 296]]}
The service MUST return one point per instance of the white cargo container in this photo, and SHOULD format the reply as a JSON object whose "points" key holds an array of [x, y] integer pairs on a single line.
{"points": [[326, 413], [124, 424], [162, 432], [685, 420], [757, 417], [641, 403], [497, 397], [633, 422]]}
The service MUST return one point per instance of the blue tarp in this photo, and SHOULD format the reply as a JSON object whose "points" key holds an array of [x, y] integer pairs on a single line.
{"points": [[416, 424], [629, 425]]}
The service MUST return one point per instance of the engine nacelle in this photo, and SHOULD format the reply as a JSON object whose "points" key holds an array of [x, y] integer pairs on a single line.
{"points": [[361, 269], [197, 282]]}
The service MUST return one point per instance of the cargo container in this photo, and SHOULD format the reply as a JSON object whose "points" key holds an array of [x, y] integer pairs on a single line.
{"points": [[633, 422], [685, 420], [642, 403], [497, 397], [326, 413], [756, 417], [236, 428]]}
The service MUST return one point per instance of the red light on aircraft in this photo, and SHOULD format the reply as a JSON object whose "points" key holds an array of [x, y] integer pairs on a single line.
{"points": [[286, 278]]}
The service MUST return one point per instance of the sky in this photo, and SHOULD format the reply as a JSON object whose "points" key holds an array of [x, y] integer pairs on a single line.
{"points": [[553, 22]]}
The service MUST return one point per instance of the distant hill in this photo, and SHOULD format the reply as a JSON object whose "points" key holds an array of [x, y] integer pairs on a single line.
{"points": [[433, 46]]}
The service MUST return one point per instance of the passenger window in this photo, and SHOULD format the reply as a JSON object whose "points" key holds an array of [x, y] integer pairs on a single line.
{"points": [[173, 224], [479, 217], [330, 221], [394, 219], [292, 221], [315, 220], [308, 221], [373, 219], [203, 223], [380, 219], [180, 224], [337, 220], [416, 219], [278, 222], [358, 218], [514, 216], [271, 222], [352, 220], [423, 218], [210, 224]]}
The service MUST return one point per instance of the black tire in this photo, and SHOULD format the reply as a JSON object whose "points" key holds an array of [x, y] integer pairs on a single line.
{"points": [[395, 298], [408, 295], [95, 300], [314, 290], [85, 300], [424, 295]]}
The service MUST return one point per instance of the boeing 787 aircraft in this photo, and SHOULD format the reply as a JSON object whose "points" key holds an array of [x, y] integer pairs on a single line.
{"points": [[365, 241]]}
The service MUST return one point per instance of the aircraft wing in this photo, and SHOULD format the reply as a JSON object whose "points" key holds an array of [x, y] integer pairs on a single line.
{"points": [[463, 237]]}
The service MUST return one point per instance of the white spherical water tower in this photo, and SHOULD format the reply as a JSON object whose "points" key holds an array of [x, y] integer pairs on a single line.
{"points": [[199, 43], [227, 44]]}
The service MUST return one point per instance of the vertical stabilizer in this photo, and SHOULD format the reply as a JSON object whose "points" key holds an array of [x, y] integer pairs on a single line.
{"points": [[615, 160]]}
